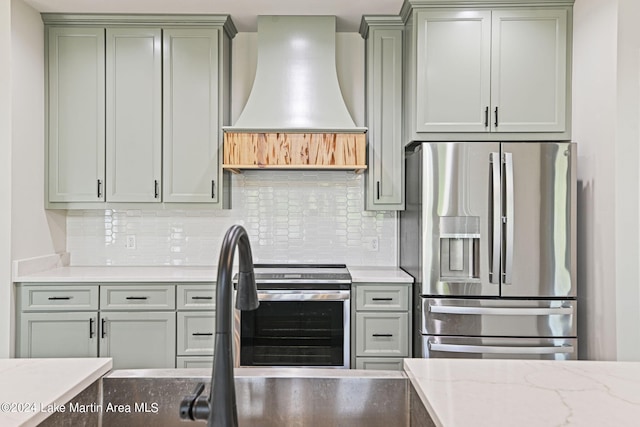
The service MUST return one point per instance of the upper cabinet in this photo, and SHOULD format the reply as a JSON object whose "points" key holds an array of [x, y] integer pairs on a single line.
{"points": [[135, 109], [76, 108], [383, 79], [487, 73], [194, 100], [134, 105]]}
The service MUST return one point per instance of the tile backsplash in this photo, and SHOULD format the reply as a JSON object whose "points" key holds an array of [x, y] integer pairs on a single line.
{"points": [[291, 216]]}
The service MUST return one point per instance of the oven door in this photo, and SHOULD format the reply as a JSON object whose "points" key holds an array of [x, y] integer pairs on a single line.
{"points": [[301, 328]]}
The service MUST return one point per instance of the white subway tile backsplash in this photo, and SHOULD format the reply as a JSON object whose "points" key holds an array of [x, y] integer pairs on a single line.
{"points": [[291, 216]]}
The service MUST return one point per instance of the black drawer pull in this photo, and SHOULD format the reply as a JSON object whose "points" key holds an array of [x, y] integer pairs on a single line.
{"points": [[91, 327], [201, 297], [104, 329], [382, 299], [136, 298], [59, 298], [202, 334], [382, 335]]}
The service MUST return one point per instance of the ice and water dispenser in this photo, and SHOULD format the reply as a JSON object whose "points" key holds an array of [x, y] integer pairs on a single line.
{"points": [[459, 248]]}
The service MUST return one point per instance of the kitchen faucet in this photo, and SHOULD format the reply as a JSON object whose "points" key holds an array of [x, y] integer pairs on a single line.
{"points": [[220, 408]]}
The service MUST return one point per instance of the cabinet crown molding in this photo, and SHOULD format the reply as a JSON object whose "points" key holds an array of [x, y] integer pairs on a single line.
{"points": [[379, 21], [140, 20], [409, 5]]}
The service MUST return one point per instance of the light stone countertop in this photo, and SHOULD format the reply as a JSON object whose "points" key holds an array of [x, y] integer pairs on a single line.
{"points": [[523, 393], [180, 274], [32, 389]]}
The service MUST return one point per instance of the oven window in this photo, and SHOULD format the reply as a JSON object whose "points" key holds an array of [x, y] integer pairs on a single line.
{"points": [[293, 333]]}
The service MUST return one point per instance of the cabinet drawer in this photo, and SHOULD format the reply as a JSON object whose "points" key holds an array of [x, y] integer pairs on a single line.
{"points": [[382, 334], [202, 362], [58, 298], [196, 297], [138, 297], [196, 333], [382, 298], [379, 363]]}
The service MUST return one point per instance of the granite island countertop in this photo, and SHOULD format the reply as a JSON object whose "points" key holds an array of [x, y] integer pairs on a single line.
{"points": [[33, 389], [476, 393]]}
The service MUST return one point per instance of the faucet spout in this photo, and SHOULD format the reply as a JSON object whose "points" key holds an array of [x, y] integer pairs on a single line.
{"points": [[222, 410]]}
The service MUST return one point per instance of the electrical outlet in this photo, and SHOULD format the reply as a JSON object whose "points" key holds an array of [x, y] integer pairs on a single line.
{"points": [[372, 244], [131, 241]]}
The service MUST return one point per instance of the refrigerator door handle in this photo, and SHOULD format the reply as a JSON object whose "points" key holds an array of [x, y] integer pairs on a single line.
{"points": [[490, 349], [495, 218], [500, 311], [508, 218]]}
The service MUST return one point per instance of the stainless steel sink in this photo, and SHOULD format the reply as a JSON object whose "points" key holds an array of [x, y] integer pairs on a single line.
{"points": [[272, 397]]}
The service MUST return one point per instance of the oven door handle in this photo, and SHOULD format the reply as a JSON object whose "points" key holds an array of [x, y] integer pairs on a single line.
{"points": [[289, 295]]}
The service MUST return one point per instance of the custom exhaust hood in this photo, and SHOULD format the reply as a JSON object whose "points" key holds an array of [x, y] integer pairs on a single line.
{"points": [[295, 116]]}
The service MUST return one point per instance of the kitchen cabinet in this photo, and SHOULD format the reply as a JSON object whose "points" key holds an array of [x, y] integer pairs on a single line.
{"points": [[482, 73], [139, 325], [196, 325], [129, 93], [382, 325], [194, 102], [384, 58], [76, 110], [138, 339], [57, 321], [133, 119], [58, 335]]}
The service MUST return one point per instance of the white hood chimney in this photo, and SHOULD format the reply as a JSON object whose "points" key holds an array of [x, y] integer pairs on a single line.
{"points": [[295, 98]]}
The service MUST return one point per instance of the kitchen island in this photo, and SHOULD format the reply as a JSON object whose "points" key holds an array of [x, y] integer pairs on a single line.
{"points": [[475, 393], [33, 389]]}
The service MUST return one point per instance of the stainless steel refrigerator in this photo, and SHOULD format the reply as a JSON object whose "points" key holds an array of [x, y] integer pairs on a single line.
{"points": [[489, 235]]}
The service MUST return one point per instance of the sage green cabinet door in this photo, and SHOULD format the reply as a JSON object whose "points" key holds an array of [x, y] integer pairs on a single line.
{"points": [[384, 118], [58, 335], [76, 109], [529, 70], [453, 74], [139, 339], [191, 115], [134, 104]]}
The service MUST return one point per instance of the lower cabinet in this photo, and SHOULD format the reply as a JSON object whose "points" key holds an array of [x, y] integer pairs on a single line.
{"points": [[382, 325], [143, 325], [43, 335], [139, 340]]}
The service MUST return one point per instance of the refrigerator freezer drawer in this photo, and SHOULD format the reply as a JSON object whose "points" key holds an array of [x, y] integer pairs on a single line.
{"points": [[500, 348], [488, 317]]}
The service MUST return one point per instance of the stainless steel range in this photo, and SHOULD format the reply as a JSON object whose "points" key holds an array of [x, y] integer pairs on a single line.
{"points": [[303, 319]]}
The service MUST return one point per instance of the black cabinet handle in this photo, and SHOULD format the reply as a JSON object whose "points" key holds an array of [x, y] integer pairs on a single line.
{"points": [[378, 190], [59, 298], [202, 334], [382, 299], [213, 189], [486, 117], [383, 335], [91, 332], [156, 189], [196, 297], [103, 333], [136, 298], [496, 113], [99, 188]]}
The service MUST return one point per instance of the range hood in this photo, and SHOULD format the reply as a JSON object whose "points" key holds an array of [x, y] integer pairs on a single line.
{"points": [[295, 116]]}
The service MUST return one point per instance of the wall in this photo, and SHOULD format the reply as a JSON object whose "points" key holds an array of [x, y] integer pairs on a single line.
{"points": [[606, 119], [36, 231], [290, 216], [5, 179], [594, 122], [627, 189]]}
